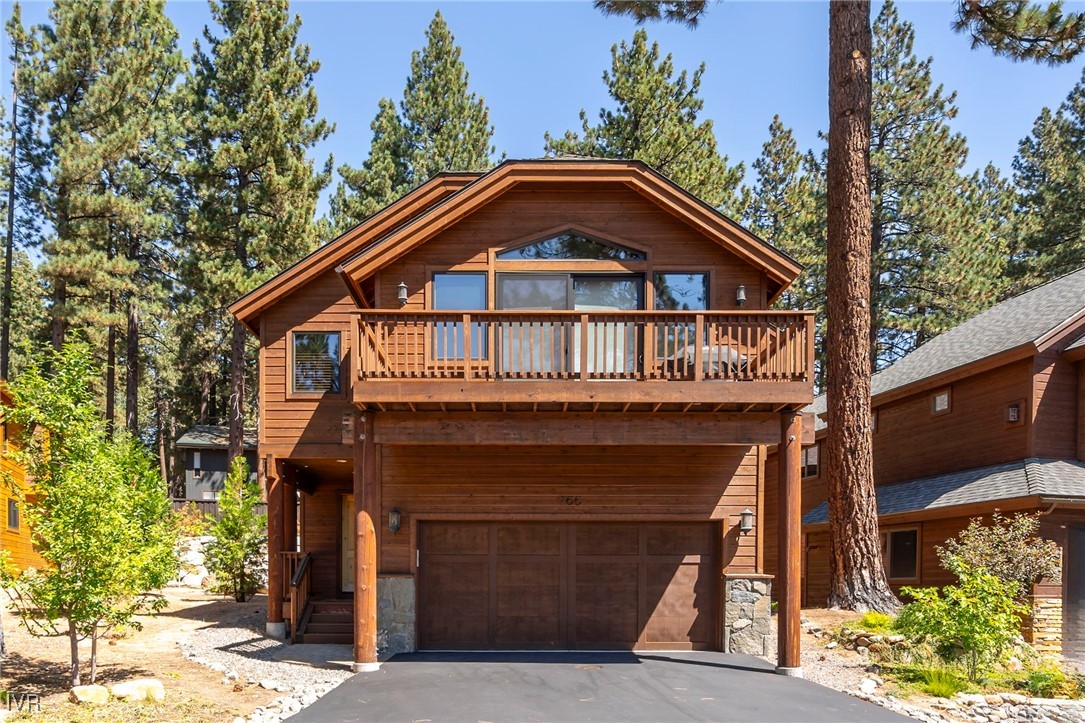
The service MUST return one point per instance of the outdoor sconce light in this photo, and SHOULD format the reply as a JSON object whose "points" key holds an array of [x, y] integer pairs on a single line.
{"points": [[740, 296], [402, 295], [393, 520], [745, 524]]}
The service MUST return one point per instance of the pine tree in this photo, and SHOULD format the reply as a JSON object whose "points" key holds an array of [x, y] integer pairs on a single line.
{"points": [[656, 121], [1021, 30], [253, 188], [1049, 172], [786, 207], [441, 126]]}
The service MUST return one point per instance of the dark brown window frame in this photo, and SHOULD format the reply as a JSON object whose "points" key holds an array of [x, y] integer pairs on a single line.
{"points": [[343, 370]]}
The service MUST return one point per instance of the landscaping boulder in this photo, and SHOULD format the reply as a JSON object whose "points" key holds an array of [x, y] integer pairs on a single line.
{"points": [[96, 694], [142, 689]]}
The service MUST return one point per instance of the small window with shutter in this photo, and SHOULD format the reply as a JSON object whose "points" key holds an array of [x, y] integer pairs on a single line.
{"points": [[317, 367]]}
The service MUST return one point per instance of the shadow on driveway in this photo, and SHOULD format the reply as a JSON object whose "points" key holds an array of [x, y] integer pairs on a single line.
{"points": [[585, 686]]}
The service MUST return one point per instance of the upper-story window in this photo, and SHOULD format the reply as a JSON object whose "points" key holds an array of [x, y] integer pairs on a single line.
{"points": [[678, 291], [810, 465], [458, 291], [571, 247], [317, 367], [13, 514], [941, 401]]}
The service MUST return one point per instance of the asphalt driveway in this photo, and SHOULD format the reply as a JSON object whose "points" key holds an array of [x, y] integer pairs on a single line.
{"points": [[585, 686]]}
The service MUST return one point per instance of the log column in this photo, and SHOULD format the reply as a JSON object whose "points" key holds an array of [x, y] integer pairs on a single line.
{"points": [[366, 517], [276, 627], [790, 539]]}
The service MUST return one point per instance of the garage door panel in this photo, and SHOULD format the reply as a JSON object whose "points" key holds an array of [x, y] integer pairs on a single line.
{"points": [[587, 585]]}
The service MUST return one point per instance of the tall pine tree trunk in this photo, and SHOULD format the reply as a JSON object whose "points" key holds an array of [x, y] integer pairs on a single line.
{"points": [[237, 390], [111, 367], [131, 374], [9, 239], [857, 580]]}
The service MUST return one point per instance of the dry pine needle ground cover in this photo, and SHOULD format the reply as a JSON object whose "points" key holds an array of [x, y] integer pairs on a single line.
{"points": [[193, 692]]}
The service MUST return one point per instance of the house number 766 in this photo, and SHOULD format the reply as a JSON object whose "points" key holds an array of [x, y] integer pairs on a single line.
{"points": [[571, 500]]}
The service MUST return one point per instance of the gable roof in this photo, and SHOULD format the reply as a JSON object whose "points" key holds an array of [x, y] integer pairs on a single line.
{"points": [[209, 436], [1012, 329], [635, 175], [1033, 477], [325, 258]]}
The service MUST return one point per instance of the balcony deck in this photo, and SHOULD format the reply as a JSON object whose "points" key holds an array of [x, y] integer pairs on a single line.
{"points": [[627, 361]]}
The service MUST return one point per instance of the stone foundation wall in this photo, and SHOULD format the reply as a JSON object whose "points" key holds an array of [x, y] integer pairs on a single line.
{"points": [[747, 613], [395, 615], [1043, 628]]}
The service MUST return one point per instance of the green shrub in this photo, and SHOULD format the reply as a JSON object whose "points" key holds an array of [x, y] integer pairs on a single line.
{"points": [[973, 621], [875, 622], [1008, 548], [942, 682], [235, 557], [1044, 683]]}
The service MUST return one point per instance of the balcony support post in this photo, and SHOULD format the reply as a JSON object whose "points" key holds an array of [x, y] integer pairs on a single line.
{"points": [[366, 516], [789, 538], [276, 627]]}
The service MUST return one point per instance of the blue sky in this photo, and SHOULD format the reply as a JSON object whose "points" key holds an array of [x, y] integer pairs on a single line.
{"points": [[538, 63]]}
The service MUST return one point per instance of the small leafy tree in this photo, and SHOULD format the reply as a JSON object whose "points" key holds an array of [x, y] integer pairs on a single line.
{"points": [[973, 621], [1008, 548], [236, 556], [98, 512]]}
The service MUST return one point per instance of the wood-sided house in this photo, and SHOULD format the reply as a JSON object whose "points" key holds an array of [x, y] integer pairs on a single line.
{"points": [[15, 536], [529, 408], [987, 416]]}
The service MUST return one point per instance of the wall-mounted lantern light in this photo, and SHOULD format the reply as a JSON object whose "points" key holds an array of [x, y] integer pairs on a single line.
{"points": [[745, 524], [402, 295], [740, 296], [394, 520]]}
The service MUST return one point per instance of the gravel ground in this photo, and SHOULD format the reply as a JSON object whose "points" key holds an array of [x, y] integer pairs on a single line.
{"points": [[243, 654]]}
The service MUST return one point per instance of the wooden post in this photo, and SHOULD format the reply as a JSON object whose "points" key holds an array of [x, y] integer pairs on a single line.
{"points": [[366, 517], [275, 625], [790, 540], [290, 515]]}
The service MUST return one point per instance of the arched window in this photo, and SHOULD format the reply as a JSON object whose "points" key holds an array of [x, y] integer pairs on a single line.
{"points": [[570, 246]]}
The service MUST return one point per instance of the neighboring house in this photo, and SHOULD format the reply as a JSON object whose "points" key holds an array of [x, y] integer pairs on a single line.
{"points": [[528, 409], [15, 537], [204, 449], [987, 416]]}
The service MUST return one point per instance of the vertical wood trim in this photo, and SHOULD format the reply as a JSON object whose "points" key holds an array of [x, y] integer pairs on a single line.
{"points": [[365, 547], [759, 531], [275, 581], [290, 515], [790, 539], [261, 380]]}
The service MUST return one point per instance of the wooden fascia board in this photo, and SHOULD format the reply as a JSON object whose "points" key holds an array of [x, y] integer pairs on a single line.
{"points": [[326, 257], [1074, 355], [1022, 351], [648, 184], [1056, 334], [975, 509]]}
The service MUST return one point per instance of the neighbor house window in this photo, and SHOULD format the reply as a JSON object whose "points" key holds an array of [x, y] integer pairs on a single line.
{"points": [[900, 554], [678, 291], [196, 465], [317, 362], [461, 291], [13, 514], [810, 461], [940, 402]]}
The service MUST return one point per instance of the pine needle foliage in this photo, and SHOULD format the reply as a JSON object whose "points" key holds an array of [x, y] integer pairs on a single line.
{"points": [[236, 556]]}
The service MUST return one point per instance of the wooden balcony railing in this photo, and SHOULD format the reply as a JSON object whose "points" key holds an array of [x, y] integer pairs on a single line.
{"points": [[585, 346]]}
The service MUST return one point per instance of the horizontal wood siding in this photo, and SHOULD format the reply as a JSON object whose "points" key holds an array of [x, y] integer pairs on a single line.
{"points": [[321, 514], [16, 542], [621, 214], [286, 420], [973, 434], [1054, 432], [815, 569], [569, 483]]}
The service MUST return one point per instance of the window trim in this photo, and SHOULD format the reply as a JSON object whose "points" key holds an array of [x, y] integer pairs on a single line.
{"points": [[1020, 404], [888, 551], [948, 391], [343, 366], [569, 265], [14, 504], [429, 347], [804, 465]]}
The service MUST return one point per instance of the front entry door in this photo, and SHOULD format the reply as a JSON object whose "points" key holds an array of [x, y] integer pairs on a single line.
{"points": [[346, 545]]}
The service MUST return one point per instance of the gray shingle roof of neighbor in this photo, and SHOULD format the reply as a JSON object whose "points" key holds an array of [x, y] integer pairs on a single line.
{"points": [[1022, 319], [213, 436], [1030, 477]]}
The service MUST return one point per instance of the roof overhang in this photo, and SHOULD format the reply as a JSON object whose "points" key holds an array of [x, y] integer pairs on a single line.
{"points": [[780, 269]]}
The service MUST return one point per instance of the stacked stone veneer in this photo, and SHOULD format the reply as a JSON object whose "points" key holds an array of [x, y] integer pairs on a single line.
{"points": [[747, 613], [395, 615], [1043, 627]]}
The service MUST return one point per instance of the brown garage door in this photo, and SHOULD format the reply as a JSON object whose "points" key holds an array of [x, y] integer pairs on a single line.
{"points": [[567, 585]]}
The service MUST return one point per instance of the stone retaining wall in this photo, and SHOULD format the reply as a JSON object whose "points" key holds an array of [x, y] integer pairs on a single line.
{"points": [[747, 613], [395, 615]]}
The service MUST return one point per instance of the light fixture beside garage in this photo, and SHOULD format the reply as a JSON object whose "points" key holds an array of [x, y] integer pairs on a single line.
{"points": [[402, 293], [745, 524], [394, 520], [740, 296]]}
